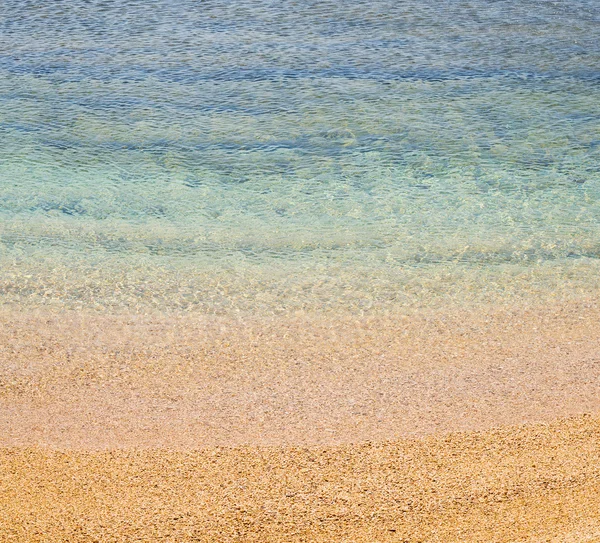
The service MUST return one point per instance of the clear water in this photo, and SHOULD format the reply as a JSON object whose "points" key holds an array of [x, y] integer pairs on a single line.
{"points": [[274, 156]]}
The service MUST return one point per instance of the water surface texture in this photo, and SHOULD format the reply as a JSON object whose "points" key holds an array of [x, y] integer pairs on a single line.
{"points": [[274, 156]]}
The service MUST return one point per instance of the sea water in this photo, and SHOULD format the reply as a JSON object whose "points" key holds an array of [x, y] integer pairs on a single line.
{"points": [[260, 156]]}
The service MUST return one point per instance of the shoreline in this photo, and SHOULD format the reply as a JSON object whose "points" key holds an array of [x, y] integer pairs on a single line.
{"points": [[445, 426]]}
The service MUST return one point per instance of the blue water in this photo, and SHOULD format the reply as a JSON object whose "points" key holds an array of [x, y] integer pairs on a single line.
{"points": [[275, 156]]}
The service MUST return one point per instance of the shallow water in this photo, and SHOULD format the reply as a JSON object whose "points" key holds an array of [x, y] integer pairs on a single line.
{"points": [[262, 156]]}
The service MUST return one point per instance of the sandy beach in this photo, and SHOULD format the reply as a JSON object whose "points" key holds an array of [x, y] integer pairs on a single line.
{"points": [[470, 425], [524, 483]]}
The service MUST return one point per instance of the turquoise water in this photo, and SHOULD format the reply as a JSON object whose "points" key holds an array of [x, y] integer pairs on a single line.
{"points": [[275, 156]]}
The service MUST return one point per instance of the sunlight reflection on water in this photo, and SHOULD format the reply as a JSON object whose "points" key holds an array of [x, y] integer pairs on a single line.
{"points": [[257, 156]]}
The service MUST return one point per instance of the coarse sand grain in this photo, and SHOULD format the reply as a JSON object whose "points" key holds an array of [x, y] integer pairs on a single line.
{"points": [[528, 483]]}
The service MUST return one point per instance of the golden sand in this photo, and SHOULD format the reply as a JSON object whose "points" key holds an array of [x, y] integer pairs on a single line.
{"points": [[528, 483], [446, 426]]}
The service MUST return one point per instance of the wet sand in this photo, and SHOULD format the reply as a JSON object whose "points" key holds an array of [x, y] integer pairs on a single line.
{"points": [[73, 380], [304, 428]]}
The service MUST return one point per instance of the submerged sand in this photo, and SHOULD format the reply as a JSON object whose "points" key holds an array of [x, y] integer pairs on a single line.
{"points": [[74, 380], [304, 428]]}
